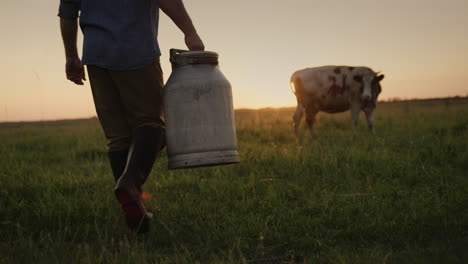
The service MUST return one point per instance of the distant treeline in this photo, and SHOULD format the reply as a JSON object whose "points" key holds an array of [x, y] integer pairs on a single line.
{"points": [[47, 122], [437, 99], [454, 99]]}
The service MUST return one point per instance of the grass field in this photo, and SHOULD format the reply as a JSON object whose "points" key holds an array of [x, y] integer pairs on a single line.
{"points": [[400, 196]]}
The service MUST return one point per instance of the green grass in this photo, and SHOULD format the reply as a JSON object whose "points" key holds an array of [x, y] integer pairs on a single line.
{"points": [[400, 196]]}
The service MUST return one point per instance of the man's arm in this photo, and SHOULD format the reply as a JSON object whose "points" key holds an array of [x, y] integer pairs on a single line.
{"points": [[175, 9], [73, 68]]}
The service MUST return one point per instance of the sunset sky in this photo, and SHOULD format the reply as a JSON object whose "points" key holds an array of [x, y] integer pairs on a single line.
{"points": [[420, 45]]}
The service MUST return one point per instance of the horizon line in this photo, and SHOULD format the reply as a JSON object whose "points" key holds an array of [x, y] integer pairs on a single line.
{"points": [[385, 101]]}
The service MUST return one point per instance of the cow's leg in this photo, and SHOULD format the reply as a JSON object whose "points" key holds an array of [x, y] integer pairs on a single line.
{"points": [[355, 109], [370, 119], [297, 118], [311, 112]]}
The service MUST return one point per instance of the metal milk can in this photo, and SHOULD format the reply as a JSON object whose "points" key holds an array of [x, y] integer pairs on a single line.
{"points": [[200, 128]]}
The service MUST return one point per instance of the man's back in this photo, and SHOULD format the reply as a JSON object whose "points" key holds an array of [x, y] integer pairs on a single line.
{"points": [[118, 34]]}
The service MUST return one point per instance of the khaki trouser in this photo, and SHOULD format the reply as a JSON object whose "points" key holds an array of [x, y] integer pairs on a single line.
{"points": [[125, 100]]}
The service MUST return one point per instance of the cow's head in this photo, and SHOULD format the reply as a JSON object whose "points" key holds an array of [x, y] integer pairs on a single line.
{"points": [[370, 88]]}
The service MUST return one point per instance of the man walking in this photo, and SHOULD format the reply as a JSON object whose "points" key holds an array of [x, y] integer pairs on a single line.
{"points": [[121, 52]]}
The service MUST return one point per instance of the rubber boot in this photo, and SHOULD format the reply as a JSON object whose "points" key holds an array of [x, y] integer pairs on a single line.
{"points": [[118, 161], [147, 141]]}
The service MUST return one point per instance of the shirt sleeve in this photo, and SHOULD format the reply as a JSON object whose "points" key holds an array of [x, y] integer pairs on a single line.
{"points": [[69, 9]]}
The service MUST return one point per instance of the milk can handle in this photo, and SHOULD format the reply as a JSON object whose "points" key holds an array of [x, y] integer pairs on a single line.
{"points": [[174, 52], [178, 61]]}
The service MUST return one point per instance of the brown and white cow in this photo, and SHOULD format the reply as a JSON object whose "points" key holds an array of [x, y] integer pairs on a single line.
{"points": [[334, 89]]}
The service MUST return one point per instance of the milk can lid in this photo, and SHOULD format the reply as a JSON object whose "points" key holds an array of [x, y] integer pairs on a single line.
{"points": [[184, 57]]}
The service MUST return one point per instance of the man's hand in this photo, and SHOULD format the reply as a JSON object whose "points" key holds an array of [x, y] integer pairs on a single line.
{"points": [[75, 71], [175, 9], [194, 42], [73, 68]]}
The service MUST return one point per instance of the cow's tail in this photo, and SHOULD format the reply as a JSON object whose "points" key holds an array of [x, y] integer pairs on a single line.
{"points": [[296, 84]]}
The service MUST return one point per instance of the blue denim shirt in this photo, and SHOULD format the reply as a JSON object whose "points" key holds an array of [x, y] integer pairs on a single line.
{"points": [[118, 34]]}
